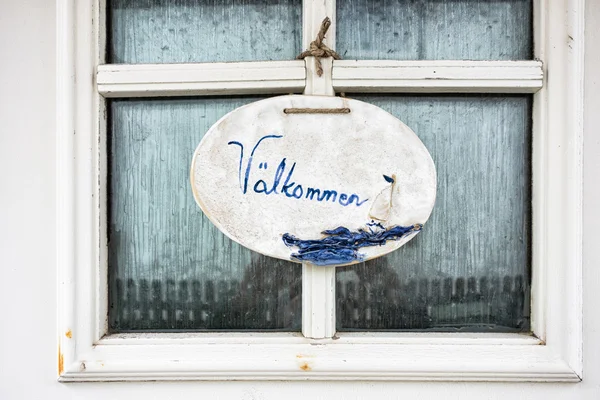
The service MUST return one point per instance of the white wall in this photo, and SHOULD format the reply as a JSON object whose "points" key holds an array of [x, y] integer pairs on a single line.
{"points": [[28, 351]]}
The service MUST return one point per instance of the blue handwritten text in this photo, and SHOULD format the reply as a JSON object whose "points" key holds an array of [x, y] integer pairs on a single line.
{"points": [[286, 186]]}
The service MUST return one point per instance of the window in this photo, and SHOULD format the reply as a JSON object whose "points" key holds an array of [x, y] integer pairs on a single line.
{"points": [[169, 266], [422, 79]]}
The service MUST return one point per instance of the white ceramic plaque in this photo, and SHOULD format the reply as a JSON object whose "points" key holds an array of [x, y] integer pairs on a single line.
{"points": [[330, 189]]}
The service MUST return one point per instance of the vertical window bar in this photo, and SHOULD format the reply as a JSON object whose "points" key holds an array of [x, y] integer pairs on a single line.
{"points": [[318, 282]]}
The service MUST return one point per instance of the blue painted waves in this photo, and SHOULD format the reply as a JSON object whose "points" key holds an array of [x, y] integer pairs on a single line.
{"points": [[341, 245]]}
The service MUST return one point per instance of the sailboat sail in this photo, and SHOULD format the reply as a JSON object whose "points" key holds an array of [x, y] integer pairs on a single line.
{"points": [[382, 205]]}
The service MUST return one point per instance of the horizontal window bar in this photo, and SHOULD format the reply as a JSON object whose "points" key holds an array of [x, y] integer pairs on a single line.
{"points": [[437, 76], [205, 79], [272, 77]]}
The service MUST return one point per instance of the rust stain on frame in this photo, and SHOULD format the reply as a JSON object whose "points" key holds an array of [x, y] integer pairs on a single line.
{"points": [[305, 367], [61, 361], [69, 334]]}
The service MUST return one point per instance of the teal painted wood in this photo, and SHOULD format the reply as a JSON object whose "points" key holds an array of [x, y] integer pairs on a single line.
{"points": [[177, 31], [169, 266], [171, 269], [469, 267], [435, 29]]}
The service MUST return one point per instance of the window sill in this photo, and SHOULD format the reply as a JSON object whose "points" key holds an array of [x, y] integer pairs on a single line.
{"points": [[290, 356]]}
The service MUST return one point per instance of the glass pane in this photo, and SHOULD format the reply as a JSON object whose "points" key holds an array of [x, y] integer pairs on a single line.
{"points": [[469, 269], [169, 266], [177, 31], [435, 29]]}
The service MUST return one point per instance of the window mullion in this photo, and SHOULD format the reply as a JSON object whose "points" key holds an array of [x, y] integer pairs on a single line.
{"points": [[318, 283], [313, 13]]}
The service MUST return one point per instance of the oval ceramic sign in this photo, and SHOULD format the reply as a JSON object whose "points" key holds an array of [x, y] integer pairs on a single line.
{"points": [[286, 180]]}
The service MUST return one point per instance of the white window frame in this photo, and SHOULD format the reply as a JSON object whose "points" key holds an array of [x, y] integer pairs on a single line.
{"points": [[554, 353]]}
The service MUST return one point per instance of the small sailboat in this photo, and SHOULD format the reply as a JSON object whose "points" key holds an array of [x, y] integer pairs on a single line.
{"points": [[382, 205], [341, 245]]}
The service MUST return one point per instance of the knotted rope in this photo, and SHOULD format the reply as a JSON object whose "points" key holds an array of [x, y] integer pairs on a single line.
{"points": [[318, 50]]}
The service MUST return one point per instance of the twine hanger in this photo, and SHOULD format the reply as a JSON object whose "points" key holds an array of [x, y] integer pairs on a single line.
{"points": [[318, 50]]}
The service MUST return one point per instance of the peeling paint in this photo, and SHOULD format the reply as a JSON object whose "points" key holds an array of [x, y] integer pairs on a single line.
{"points": [[69, 334], [61, 362]]}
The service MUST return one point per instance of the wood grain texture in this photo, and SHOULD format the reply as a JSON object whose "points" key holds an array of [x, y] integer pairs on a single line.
{"points": [[161, 245], [434, 29], [480, 226], [166, 31]]}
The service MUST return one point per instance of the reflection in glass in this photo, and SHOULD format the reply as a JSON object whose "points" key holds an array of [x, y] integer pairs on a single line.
{"points": [[469, 269], [169, 266], [435, 29], [178, 31]]}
